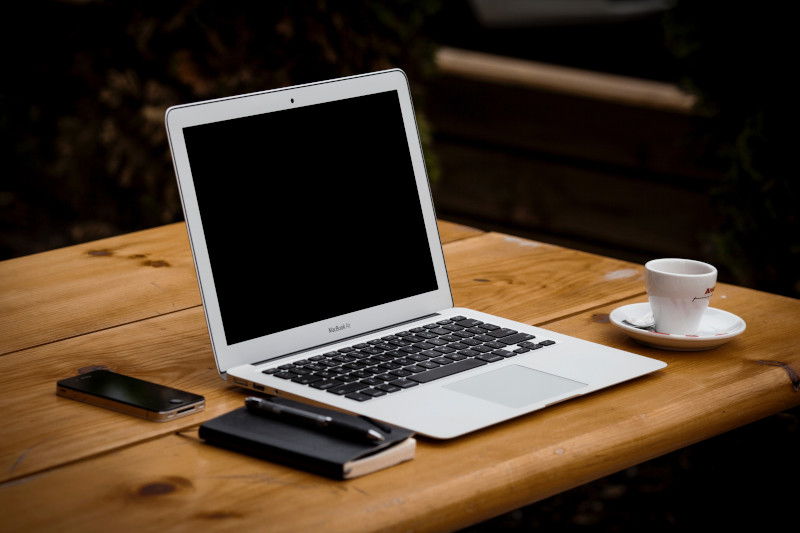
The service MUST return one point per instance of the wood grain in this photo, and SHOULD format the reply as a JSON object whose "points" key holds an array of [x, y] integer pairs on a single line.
{"points": [[523, 280], [88, 287], [177, 481], [534, 282]]}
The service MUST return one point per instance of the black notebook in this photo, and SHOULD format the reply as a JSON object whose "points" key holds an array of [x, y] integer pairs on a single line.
{"points": [[305, 448]]}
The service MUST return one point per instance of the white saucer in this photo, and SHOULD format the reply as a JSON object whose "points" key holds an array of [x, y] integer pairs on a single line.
{"points": [[717, 327]]}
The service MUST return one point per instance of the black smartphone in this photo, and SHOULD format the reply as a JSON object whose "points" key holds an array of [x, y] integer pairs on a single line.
{"points": [[130, 395]]}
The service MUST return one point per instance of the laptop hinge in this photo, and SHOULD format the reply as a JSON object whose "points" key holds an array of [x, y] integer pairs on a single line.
{"points": [[366, 333]]}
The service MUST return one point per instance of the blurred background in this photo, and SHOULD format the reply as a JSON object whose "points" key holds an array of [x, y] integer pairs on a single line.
{"points": [[631, 128]]}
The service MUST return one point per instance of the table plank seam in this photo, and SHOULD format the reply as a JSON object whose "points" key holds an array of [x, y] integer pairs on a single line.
{"points": [[588, 309], [98, 330], [13, 480]]}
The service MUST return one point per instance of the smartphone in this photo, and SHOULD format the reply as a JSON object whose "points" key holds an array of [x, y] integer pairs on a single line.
{"points": [[130, 395]]}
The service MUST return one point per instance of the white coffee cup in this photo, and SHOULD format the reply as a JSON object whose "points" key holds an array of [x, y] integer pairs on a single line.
{"points": [[679, 291]]}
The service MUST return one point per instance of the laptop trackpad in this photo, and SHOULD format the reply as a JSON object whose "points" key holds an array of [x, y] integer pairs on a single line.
{"points": [[515, 386]]}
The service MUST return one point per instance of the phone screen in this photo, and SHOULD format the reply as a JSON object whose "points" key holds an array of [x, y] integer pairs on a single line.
{"points": [[129, 391]]}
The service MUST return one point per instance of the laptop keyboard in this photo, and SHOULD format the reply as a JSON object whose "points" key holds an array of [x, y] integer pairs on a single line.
{"points": [[408, 358]]}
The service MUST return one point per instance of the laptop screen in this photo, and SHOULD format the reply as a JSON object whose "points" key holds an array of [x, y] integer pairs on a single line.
{"points": [[309, 213]]}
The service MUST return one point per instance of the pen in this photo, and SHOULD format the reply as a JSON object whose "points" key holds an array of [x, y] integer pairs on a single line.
{"points": [[342, 428]]}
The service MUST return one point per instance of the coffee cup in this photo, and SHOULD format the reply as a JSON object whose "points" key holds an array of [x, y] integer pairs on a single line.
{"points": [[679, 291]]}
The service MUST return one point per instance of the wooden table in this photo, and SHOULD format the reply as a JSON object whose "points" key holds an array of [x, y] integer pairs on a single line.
{"points": [[131, 303]]}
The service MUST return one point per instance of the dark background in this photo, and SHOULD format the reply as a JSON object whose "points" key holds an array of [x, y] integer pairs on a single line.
{"points": [[84, 153]]}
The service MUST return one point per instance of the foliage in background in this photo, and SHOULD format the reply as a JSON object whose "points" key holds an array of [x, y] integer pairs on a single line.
{"points": [[739, 58], [84, 148]]}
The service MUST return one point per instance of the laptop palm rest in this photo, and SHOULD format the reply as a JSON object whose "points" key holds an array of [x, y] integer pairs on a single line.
{"points": [[516, 386]]}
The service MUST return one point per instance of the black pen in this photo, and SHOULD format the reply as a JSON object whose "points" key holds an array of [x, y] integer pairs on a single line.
{"points": [[342, 428]]}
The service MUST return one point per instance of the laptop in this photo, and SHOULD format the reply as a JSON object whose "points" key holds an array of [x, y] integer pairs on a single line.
{"points": [[321, 271]]}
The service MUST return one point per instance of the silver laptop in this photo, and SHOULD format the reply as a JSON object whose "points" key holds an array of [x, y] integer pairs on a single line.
{"points": [[322, 275]]}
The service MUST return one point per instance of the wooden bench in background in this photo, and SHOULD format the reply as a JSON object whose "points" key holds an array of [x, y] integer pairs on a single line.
{"points": [[594, 161]]}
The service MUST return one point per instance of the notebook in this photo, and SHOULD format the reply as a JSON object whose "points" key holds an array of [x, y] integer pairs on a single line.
{"points": [[322, 275], [302, 447]]}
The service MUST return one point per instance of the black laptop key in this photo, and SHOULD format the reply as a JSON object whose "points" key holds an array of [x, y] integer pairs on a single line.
{"points": [[305, 380], [483, 338], [468, 322], [347, 388], [410, 349], [502, 332], [371, 381], [503, 353], [418, 357], [495, 344], [469, 353], [357, 396], [388, 387], [476, 330], [445, 349], [326, 384], [440, 331], [269, 371], [447, 370], [400, 372], [463, 334], [458, 346], [404, 383], [470, 342], [452, 327], [488, 327], [285, 374], [415, 369], [445, 321], [438, 342], [372, 392], [458, 318], [424, 345], [529, 344], [490, 357], [522, 350], [343, 350], [417, 330], [300, 370], [546, 343], [426, 335], [482, 349], [442, 360], [385, 377], [405, 361], [347, 378], [428, 364], [361, 346], [516, 338], [372, 350]]}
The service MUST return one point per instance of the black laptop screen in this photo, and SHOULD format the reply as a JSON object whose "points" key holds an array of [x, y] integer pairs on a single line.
{"points": [[309, 213]]}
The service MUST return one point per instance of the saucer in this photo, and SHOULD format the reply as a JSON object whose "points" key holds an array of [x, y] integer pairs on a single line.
{"points": [[716, 328]]}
